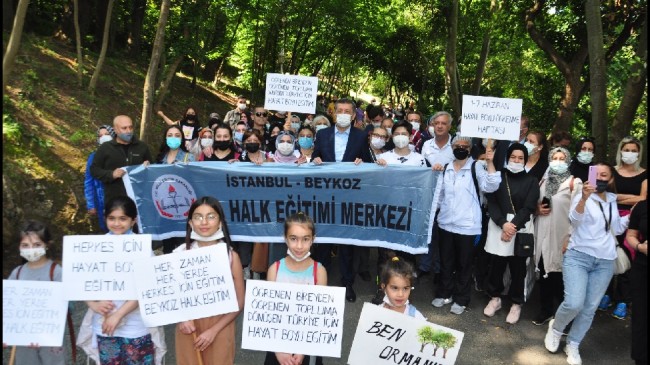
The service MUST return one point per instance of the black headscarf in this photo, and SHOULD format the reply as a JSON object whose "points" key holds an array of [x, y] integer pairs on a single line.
{"points": [[520, 147]]}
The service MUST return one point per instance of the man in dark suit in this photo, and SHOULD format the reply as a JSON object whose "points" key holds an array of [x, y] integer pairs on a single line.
{"points": [[341, 143]]}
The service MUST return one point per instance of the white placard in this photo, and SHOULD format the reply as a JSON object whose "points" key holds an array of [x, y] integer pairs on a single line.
{"points": [[185, 285], [33, 312], [292, 93], [99, 267], [490, 117], [384, 336], [293, 318]]}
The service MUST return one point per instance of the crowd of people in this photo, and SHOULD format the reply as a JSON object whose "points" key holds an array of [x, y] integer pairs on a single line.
{"points": [[510, 193]]}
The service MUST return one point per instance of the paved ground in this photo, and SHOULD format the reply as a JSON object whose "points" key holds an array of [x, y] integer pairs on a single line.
{"points": [[486, 341]]}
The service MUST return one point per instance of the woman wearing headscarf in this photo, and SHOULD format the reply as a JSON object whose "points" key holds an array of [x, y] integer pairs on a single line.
{"points": [[585, 149], [552, 228], [510, 208]]}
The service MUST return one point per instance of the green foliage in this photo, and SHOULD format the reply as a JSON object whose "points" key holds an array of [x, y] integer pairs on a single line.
{"points": [[12, 131]]}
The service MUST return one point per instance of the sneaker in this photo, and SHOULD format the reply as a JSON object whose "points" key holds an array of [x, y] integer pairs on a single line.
{"points": [[551, 340], [513, 315], [620, 312], [492, 307], [572, 355], [379, 297], [439, 302], [247, 273], [541, 319], [457, 308], [604, 303]]}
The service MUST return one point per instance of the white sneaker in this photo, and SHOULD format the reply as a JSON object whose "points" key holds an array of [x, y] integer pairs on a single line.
{"points": [[439, 302], [493, 305], [247, 273], [551, 340], [515, 312], [572, 355], [457, 308]]}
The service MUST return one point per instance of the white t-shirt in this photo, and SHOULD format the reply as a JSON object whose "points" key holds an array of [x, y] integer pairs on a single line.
{"points": [[412, 159]]}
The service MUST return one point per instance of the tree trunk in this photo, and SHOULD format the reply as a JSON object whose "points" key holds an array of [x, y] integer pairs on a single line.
{"points": [[77, 32], [14, 42], [102, 54], [485, 50], [167, 80], [149, 81], [598, 76], [137, 21], [226, 54], [450, 59], [634, 90]]}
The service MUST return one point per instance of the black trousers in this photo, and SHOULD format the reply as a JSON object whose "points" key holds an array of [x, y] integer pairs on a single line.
{"points": [[639, 317], [517, 274], [551, 290], [456, 252]]}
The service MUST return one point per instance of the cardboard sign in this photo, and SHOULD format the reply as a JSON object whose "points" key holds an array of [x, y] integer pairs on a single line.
{"points": [[99, 267], [293, 318], [292, 93], [33, 312], [185, 285], [489, 117], [384, 336]]}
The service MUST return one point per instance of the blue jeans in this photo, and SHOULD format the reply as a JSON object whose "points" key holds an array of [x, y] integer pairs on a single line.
{"points": [[585, 282]]}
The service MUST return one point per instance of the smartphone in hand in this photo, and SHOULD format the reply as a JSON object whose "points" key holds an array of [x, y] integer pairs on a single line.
{"points": [[546, 202], [592, 176]]}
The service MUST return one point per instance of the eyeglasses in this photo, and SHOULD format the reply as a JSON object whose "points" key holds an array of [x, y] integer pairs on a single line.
{"points": [[262, 114], [379, 135], [200, 218]]}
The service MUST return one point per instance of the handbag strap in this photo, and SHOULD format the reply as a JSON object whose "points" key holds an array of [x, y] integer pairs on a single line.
{"points": [[514, 211]]}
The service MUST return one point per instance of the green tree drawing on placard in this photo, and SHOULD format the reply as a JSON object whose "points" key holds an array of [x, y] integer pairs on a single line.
{"points": [[446, 341], [425, 336]]}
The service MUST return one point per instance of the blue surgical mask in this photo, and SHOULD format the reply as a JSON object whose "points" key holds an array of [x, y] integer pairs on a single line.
{"points": [[126, 137], [585, 157], [306, 142], [558, 166], [173, 142], [239, 136]]}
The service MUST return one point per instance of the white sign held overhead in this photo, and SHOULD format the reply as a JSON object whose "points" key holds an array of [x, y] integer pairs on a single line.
{"points": [[490, 117], [33, 312], [292, 93], [99, 267]]}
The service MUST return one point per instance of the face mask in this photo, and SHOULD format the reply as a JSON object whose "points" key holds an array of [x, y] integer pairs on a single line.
{"points": [[206, 142], [375, 125], [530, 147], [105, 138], [252, 147], [285, 148], [267, 125], [558, 167], [32, 254], [222, 145], [416, 126], [306, 142], [432, 131], [482, 163], [390, 131], [239, 136], [173, 142], [377, 143], [320, 126], [242, 106], [401, 141], [295, 125], [515, 167], [215, 237], [343, 120], [601, 186], [585, 157], [126, 137], [191, 117], [460, 153], [387, 301], [298, 259], [629, 157]]}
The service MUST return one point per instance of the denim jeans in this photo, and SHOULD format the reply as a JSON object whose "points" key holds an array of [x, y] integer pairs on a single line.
{"points": [[585, 282]]}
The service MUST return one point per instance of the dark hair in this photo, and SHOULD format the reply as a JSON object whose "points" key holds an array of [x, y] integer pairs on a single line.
{"points": [[558, 137], [164, 148], [37, 228], [196, 115], [299, 218], [305, 126], [396, 266], [611, 186], [214, 204], [582, 141], [251, 132], [126, 204], [402, 123], [422, 121], [222, 126], [345, 101], [374, 111]]}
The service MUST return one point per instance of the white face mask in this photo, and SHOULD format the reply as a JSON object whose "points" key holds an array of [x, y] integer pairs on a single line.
{"points": [[629, 157], [585, 157], [416, 126], [242, 106], [432, 131], [320, 126], [390, 131], [375, 125], [387, 301], [530, 147], [343, 120], [482, 163], [206, 142], [215, 237], [559, 167], [32, 254], [105, 138], [401, 141], [285, 148], [295, 125], [377, 143], [298, 259], [515, 167]]}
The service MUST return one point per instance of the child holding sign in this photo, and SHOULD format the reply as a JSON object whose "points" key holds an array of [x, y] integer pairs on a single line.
{"points": [[35, 239], [296, 268], [209, 340], [112, 331], [396, 280]]}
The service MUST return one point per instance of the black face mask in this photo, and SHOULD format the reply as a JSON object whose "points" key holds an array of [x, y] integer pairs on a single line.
{"points": [[191, 117], [252, 147], [222, 145], [460, 153], [601, 186]]}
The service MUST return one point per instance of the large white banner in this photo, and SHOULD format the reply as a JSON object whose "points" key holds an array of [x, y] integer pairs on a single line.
{"points": [[185, 285], [292, 93], [292, 318], [99, 267], [33, 312], [490, 117], [384, 336]]}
